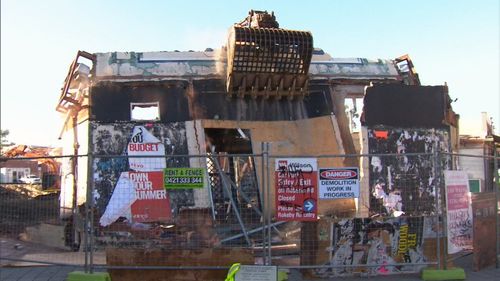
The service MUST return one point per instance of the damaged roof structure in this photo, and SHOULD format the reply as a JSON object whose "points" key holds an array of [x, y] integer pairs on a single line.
{"points": [[233, 101]]}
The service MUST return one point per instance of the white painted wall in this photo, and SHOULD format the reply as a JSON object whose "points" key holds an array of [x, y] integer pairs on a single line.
{"points": [[473, 165], [195, 135], [66, 197], [7, 174]]}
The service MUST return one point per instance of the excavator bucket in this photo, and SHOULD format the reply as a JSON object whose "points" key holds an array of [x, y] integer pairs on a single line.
{"points": [[264, 60]]}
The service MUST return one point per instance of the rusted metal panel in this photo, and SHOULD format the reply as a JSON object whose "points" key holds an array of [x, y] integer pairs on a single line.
{"points": [[264, 60], [268, 62], [165, 257], [484, 225]]}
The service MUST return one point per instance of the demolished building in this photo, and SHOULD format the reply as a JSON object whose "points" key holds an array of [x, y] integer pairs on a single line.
{"points": [[41, 162], [228, 105]]}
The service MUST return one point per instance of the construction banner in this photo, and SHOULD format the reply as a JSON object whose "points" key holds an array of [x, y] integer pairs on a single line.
{"points": [[459, 211], [184, 178], [143, 143], [296, 183], [138, 197], [152, 202]]}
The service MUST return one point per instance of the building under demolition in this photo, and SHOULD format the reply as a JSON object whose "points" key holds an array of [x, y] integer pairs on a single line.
{"points": [[208, 113]]}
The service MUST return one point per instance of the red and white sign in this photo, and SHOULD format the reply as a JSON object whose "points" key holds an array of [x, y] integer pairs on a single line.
{"points": [[459, 211], [338, 183], [139, 197], [142, 143], [296, 182], [152, 202]]}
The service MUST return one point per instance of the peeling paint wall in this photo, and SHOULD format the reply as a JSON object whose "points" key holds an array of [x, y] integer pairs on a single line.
{"points": [[404, 183], [151, 65], [373, 242], [112, 139], [129, 64], [354, 68]]}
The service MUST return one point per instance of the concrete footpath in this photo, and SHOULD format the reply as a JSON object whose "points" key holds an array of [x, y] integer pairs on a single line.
{"points": [[59, 273]]}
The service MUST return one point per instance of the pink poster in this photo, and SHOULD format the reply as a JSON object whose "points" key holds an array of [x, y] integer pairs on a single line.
{"points": [[459, 211]]}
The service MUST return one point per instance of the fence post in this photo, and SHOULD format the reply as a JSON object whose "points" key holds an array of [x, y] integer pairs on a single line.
{"points": [[497, 193], [89, 215], [268, 206], [263, 201], [439, 213], [92, 210], [86, 218]]}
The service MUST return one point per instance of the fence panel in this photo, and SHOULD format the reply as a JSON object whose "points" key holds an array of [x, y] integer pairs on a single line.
{"points": [[473, 215], [330, 215], [32, 227], [199, 211], [375, 214]]}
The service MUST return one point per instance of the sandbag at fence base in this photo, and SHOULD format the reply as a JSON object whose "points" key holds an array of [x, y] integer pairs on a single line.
{"points": [[174, 257], [443, 274], [82, 276]]}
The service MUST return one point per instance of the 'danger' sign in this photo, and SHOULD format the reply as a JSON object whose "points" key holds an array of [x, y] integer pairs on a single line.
{"points": [[338, 183], [143, 143], [296, 183]]}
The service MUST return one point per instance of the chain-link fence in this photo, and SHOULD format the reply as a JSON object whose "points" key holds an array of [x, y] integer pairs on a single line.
{"points": [[328, 215]]}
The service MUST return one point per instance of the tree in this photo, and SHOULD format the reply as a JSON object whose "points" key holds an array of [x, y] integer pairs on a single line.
{"points": [[4, 134]]}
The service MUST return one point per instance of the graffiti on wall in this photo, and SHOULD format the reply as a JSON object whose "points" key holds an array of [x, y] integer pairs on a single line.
{"points": [[404, 184], [113, 139], [375, 242]]}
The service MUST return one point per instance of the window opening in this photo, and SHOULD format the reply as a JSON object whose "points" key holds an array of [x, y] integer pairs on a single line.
{"points": [[145, 111]]}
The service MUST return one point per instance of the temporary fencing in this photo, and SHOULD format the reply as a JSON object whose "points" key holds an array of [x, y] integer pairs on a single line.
{"points": [[329, 215]]}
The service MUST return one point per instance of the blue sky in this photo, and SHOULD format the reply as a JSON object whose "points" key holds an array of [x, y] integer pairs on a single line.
{"points": [[451, 41]]}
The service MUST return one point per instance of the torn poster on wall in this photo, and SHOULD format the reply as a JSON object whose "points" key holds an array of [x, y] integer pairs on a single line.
{"points": [[138, 197], [459, 211], [404, 184], [115, 139], [296, 183], [143, 143], [375, 242]]}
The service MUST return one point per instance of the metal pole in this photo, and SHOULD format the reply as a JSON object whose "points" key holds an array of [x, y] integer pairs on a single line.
{"points": [[209, 189], [497, 193], [439, 213], [250, 232], [225, 187], [263, 202], [90, 203], [269, 203]]}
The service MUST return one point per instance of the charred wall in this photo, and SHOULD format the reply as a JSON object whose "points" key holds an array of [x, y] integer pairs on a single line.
{"points": [[111, 101], [202, 99], [406, 106], [404, 181]]}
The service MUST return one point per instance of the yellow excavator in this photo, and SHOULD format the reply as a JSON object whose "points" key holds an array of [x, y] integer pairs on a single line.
{"points": [[265, 60]]}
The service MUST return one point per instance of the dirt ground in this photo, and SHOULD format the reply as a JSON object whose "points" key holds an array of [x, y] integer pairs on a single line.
{"points": [[19, 210]]}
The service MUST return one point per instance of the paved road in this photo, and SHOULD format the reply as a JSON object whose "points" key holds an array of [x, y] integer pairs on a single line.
{"points": [[59, 273]]}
